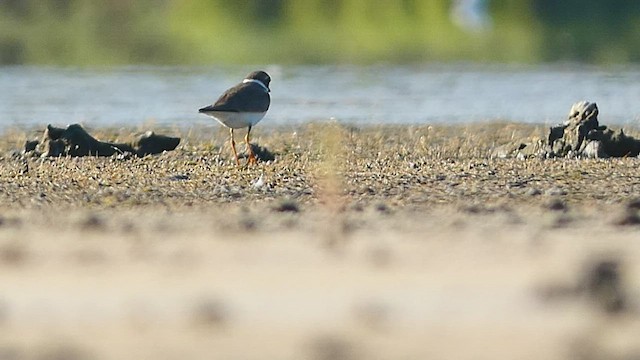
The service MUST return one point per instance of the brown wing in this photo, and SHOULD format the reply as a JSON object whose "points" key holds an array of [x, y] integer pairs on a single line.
{"points": [[246, 97]]}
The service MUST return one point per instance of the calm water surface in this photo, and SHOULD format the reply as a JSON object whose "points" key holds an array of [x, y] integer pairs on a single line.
{"points": [[35, 96]]}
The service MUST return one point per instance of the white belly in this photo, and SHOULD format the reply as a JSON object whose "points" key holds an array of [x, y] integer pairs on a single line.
{"points": [[236, 120]]}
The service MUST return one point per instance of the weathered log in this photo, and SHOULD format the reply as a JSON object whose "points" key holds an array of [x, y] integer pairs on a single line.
{"points": [[569, 138], [581, 135], [151, 143], [74, 140]]}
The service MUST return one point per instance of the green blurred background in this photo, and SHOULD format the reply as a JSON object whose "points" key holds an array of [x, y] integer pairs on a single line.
{"points": [[195, 32]]}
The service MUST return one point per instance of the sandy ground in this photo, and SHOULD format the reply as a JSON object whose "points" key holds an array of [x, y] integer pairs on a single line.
{"points": [[402, 243]]}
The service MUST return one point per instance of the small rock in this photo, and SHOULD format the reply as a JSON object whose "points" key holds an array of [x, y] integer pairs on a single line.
{"points": [[474, 209], [382, 208], [126, 155], [93, 222], [604, 286], [287, 206], [516, 184], [557, 205], [259, 183], [179, 177]]}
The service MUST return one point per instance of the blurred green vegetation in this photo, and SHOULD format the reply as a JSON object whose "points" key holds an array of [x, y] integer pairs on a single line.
{"points": [[87, 32]]}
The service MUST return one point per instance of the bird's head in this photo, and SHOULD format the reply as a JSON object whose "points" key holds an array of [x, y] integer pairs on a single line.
{"points": [[261, 76]]}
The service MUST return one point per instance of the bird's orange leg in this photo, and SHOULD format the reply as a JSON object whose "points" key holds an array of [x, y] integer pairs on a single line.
{"points": [[233, 147], [252, 156]]}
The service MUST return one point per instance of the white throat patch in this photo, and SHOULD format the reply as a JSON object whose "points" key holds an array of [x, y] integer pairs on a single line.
{"points": [[257, 82]]}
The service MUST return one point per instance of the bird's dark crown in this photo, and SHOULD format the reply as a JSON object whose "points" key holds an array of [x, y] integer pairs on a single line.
{"points": [[261, 76]]}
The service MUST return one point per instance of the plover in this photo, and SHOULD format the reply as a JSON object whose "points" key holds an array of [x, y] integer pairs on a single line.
{"points": [[242, 106]]}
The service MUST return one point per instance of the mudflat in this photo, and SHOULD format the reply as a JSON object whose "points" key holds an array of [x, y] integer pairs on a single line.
{"points": [[387, 242]]}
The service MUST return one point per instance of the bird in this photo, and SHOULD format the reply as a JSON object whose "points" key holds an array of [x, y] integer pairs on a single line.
{"points": [[242, 106]]}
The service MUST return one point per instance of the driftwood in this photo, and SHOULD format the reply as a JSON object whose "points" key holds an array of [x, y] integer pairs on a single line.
{"points": [[580, 136], [76, 141]]}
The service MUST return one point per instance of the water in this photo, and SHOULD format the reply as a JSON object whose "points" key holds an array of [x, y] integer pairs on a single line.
{"points": [[430, 94]]}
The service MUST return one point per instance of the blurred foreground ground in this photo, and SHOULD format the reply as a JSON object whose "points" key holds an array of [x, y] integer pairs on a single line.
{"points": [[375, 243]]}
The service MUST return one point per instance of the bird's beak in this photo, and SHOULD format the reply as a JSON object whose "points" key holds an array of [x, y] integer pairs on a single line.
{"points": [[206, 108]]}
